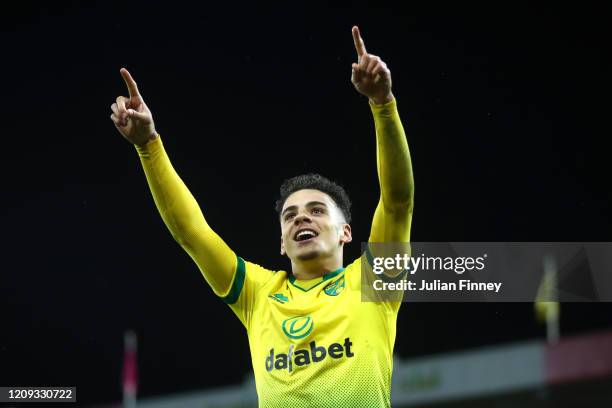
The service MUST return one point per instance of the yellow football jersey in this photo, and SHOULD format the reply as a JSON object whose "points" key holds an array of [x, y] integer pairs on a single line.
{"points": [[315, 343]]}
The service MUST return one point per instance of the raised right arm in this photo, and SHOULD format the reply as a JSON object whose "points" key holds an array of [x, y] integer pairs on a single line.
{"points": [[183, 217], [176, 205]]}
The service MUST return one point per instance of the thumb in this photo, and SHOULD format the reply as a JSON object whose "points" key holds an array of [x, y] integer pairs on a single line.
{"points": [[138, 115]]}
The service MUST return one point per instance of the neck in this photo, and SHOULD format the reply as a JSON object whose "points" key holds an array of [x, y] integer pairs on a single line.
{"points": [[315, 268]]}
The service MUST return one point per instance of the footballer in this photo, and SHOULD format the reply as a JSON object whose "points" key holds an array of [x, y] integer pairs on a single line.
{"points": [[313, 341]]}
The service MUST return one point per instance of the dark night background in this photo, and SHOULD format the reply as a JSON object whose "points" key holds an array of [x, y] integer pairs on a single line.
{"points": [[506, 110]]}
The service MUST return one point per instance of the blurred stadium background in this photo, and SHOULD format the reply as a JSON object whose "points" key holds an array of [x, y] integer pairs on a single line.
{"points": [[575, 372]]}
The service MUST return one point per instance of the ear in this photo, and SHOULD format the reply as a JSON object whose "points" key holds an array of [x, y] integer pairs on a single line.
{"points": [[346, 235], [282, 249]]}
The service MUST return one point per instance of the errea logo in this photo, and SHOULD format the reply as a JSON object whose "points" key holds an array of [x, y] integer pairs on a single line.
{"points": [[298, 327], [279, 297]]}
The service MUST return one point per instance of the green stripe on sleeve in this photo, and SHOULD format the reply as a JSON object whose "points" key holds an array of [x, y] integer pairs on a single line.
{"points": [[238, 283]]}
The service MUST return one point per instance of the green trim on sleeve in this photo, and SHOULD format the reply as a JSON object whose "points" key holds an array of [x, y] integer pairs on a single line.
{"points": [[238, 283]]}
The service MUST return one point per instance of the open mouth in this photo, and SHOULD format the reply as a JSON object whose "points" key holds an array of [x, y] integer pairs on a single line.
{"points": [[305, 235]]}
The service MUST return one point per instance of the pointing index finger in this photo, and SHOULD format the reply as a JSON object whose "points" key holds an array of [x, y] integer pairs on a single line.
{"points": [[359, 45], [129, 81]]}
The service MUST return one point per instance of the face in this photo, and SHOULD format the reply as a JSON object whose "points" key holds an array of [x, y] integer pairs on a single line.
{"points": [[312, 226]]}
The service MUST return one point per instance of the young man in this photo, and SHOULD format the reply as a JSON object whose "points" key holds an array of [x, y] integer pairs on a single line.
{"points": [[313, 342]]}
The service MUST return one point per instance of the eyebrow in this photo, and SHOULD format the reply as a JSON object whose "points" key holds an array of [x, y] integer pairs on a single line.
{"points": [[309, 204]]}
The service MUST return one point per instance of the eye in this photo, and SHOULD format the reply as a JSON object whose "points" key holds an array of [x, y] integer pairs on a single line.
{"points": [[289, 216], [317, 210]]}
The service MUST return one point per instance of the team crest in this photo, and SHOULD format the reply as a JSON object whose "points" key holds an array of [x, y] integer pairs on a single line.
{"points": [[334, 288]]}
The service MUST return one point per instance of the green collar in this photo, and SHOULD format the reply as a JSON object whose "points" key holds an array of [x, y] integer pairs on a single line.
{"points": [[327, 276]]}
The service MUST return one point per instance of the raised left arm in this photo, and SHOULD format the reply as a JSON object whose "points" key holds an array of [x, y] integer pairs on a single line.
{"points": [[393, 216]]}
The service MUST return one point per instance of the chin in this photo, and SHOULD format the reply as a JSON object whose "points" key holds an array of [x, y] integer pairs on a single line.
{"points": [[308, 255]]}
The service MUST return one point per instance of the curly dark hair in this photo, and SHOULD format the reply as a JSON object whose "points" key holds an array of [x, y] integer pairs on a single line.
{"points": [[315, 182]]}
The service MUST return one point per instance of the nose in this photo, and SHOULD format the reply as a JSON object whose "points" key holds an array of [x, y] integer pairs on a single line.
{"points": [[301, 217]]}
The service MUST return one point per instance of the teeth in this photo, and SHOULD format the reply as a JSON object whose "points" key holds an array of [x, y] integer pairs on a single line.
{"points": [[303, 233]]}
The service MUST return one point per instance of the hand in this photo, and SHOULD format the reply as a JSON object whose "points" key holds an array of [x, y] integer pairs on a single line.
{"points": [[131, 116], [370, 75]]}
